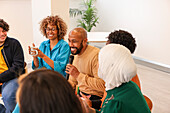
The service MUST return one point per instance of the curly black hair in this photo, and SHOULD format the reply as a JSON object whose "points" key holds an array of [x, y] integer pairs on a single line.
{"points": [[123, 38], [58, 22], [4, 25]]}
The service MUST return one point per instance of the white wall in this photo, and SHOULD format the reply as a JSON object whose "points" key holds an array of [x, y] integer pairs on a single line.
{"points": [[40, 10], [43, 8], [73, 20], [61, 8], [17, 13], [24, 17], [147, 20]]}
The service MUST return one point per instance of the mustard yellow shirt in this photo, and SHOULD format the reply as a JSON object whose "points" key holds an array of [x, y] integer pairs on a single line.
{"points": [[88, 80], [3, 66]]}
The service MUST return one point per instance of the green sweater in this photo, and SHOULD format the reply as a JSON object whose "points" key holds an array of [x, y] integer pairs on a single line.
{"points": [[126, 98]]}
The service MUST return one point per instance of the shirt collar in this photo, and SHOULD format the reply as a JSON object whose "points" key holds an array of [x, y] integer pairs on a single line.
{"points": [[47, 43]]}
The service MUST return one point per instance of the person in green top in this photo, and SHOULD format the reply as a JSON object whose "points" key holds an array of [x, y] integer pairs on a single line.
{"points": [[117, 68]]}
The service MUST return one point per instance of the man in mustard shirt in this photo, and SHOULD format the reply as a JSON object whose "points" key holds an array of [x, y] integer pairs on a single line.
{"points": [[11, 66], [83, 72]]}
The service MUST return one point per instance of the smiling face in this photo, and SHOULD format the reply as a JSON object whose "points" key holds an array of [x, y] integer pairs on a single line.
{"points": [[3, 36], [51, 32], [75, 46], [77, 43]]}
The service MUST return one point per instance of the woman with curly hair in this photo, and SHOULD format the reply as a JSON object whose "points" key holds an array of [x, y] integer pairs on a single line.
{"points": [[54, 53]]}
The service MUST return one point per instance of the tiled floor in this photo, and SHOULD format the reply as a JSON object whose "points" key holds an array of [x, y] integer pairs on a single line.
{"points": [[156, 85]]}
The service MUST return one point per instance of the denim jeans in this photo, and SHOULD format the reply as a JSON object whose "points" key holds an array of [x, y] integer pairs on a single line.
{"points": [[9, 94], [2, 108]]}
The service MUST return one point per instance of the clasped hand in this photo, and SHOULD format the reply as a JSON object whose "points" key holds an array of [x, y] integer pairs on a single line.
{"points": [[72, 70], [40, 53]]}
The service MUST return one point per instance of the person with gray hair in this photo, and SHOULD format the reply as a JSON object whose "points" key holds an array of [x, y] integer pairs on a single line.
{"points": [[117, 68]]}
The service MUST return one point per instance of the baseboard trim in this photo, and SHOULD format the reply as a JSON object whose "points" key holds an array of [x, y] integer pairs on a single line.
{"points": [[152, 64]]}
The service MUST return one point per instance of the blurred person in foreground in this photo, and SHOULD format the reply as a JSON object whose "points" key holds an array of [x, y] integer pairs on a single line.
{"points": [[46, 91]]}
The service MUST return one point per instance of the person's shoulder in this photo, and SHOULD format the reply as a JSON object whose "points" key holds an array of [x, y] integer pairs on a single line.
{"points": [[45, 43], [9, 38], [92, 52], [93, 49], [12, 40], [64, 43]]}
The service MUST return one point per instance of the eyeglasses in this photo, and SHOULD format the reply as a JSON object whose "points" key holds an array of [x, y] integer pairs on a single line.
{"points": [[52, 29]]}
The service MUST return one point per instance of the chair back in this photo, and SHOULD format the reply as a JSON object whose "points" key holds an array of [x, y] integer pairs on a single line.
{"points": [[149, 102], [135, 79]]}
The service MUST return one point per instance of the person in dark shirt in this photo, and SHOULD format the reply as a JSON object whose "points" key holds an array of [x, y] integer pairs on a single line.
{"points": [[11, 66]]}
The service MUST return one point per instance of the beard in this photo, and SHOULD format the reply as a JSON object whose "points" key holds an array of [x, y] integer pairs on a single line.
{"points": [[78, 49]]}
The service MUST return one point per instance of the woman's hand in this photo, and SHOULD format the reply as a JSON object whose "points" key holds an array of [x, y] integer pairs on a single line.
{"points": [[38, 54], [32, 50]]}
